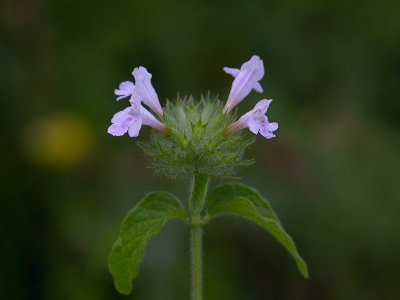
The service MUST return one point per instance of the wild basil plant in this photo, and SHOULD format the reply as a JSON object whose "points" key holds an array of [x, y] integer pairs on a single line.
{"points": [[203, 139]]}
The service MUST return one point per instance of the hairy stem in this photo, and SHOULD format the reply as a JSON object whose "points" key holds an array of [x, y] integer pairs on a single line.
{"points": [[198, 193], [197, 263], [196, 204]]}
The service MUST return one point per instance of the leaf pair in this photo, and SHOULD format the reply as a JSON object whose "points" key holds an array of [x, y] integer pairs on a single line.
{"points": [[149, 215]]}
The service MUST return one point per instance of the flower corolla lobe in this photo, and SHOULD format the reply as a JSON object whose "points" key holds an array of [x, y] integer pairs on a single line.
{"points": [[126, 89]]}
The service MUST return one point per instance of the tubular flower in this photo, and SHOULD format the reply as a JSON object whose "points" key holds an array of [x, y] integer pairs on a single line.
{"points": [[255, 120], [131, 120], [144, 90], [126, 89], [245, 80]]}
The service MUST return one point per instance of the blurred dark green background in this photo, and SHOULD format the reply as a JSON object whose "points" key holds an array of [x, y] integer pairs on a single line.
{"points": [[332, 173]]}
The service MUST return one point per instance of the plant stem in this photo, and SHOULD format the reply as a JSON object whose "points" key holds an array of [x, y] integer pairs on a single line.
{"points": [[197, 263], [198, 193], [196, 204]]}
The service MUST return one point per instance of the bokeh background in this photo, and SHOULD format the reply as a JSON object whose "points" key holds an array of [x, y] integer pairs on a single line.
{"points": [[332, 173]]}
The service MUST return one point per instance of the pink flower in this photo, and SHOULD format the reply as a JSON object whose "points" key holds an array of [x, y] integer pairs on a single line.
{"points": [[144, 90], [131, 120], [256, 121], [245, 80]]}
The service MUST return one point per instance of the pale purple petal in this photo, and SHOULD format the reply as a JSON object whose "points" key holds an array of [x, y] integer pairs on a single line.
{"points": [[135, 99], [246, 116], [135, 114], [141, 73], [267, 128], [267, 134], [255, 65], [121, 123], [134, 129], [231, 71], [126, 89], [145, 91], [120, 116], [254, 125], [261, 107], [272, 126], [124, 120], [116, 130], [257, 87]]}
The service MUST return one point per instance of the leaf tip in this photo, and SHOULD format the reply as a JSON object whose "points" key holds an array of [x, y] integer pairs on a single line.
{"points": [[124, 290], [303, 269]]}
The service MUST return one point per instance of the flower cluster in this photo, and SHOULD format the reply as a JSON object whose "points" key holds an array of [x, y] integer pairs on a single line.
{"points": [[132, 118], [194, 136]]}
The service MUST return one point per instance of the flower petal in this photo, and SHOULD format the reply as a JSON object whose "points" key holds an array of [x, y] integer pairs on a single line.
{"points": [[231, 71], [124, 119], [257, 87], [135, 99], [261, 107], [145, 90], [254, 125], [267, 134], [120, 116], [126, 88], [272, 126], [134, 128], [256, 65], [141, 73], [116, 130]]}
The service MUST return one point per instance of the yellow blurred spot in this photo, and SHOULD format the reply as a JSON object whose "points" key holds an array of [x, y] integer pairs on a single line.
{"points": [[60, 141]]}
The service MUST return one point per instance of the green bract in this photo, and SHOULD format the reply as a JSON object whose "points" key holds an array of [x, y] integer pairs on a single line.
{"points": [[196, 143]]}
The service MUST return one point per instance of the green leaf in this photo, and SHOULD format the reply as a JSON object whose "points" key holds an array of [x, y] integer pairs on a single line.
{"points": [[142, 222], [246, 202]]}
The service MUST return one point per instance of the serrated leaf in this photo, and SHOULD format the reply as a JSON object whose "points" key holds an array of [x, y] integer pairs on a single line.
{"points": [[142, 222], [244, 201]]}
